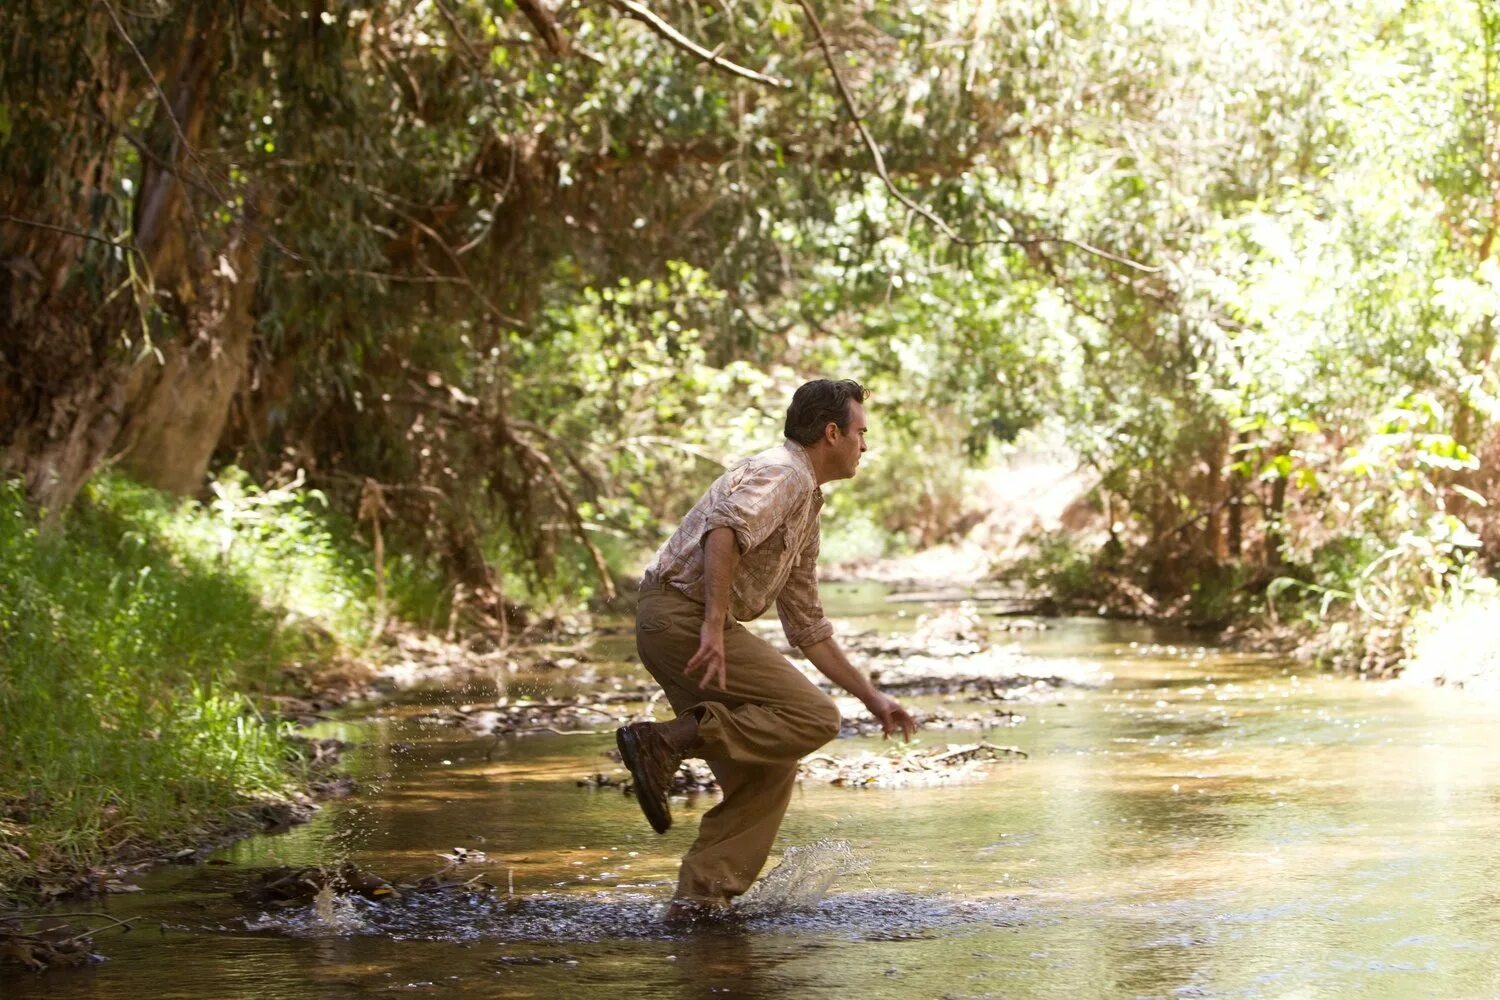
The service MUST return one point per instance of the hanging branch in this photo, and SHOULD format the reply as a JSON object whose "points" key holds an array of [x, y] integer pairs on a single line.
{"points": [[536, 465], [388, 202], [161, 95], [644, 14], [847, 98]]}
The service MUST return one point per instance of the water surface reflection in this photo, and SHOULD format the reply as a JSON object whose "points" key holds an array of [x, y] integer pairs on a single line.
{"points": [[1198, 824]]}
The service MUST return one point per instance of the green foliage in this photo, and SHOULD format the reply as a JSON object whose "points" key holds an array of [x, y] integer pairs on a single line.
{"points": [[130, 638], [537, 273], [1061, 568], [281, 543], [1388, 542]]}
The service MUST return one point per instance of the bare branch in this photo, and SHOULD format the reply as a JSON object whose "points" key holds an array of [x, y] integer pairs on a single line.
{"points": [[847, 98], [7, 217], [590, 479], [645, 15], [404, 279], [557, 42], [207, 183]]}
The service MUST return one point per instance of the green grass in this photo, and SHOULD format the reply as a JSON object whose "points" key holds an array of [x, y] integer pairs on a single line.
{"points": [[131, 638]]}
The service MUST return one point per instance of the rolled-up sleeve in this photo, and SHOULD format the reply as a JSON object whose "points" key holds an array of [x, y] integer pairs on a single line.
{"points": [[753, 507], [798, 604]]}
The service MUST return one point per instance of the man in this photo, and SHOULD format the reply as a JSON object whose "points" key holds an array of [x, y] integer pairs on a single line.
{"points": [[751, 540]]}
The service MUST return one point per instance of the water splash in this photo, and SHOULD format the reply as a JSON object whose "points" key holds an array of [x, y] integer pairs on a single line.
{"points": [[330, 914], [793, 898], [549, 918], [802, 879]]}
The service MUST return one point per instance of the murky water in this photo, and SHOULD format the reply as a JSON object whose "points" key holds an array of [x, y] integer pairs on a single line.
{"points": [[1188, 823]]}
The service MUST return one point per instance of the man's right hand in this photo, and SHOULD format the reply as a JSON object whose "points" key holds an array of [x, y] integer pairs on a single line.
{"points": [[710, 658]]}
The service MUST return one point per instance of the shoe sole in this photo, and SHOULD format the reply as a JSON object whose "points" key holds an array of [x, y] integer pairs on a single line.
{"points": [[653, 806]]}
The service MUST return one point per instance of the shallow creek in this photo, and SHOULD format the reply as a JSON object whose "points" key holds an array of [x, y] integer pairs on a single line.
{"points": [[1188, 823]]}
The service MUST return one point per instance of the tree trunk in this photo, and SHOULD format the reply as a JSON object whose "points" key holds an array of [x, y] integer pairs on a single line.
{"points": [[179, 407], [59, 446], [69, 395], [1276, 523], [1235, 540], [1218, 496], [178, 400]]}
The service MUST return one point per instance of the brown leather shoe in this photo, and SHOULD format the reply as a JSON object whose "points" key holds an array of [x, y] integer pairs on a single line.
{"points": [[651, 761]]}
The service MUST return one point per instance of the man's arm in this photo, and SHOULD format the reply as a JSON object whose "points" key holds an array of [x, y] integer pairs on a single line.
{"points": [[721, 557], [831, 662]]}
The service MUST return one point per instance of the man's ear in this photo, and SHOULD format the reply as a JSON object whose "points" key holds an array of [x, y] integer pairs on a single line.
{"points": [[831, 432]]}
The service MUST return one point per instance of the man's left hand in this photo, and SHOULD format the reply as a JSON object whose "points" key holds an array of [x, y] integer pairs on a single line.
{"points": [[892, 716]]}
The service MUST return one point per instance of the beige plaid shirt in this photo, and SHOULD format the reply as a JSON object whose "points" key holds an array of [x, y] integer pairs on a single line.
{"points": [[772, 503]]}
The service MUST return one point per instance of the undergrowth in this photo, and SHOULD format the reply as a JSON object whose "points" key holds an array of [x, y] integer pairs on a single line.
{"points": [[133, 637]]}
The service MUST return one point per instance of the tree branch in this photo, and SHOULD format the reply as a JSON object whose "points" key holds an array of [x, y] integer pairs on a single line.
{"points": [[166, 104], [432, 234], [207, 182], [130, 247], [642, 13], [526, 455], [847, 98], [545, 26]]}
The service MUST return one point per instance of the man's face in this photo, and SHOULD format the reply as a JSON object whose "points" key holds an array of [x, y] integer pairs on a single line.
{"points": [[848, 446]]}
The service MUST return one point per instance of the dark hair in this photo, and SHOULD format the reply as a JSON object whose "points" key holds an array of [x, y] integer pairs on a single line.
{"points": [[818, 403]]}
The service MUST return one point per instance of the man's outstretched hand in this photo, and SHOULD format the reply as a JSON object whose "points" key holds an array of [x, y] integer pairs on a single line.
{"points": [[710, 659], [892, 716]]}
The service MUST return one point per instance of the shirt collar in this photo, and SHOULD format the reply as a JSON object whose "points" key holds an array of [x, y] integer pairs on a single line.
{"points": [[799, 450]]}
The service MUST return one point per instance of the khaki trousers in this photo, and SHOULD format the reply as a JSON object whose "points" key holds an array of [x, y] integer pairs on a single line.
{"points": [[753, 733]]}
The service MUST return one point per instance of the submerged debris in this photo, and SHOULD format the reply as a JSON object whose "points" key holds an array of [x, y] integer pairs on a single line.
{"points": [[53, 943], [320, 753], [584, 716], [907, 768], [329, 889], [892, 769], [281, 887]]}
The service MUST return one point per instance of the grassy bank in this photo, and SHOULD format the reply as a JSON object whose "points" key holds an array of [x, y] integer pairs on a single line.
{"points": [[133, 639]]}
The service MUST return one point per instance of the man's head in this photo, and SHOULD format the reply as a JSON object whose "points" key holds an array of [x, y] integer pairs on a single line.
{"points": [[827, 417]]}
